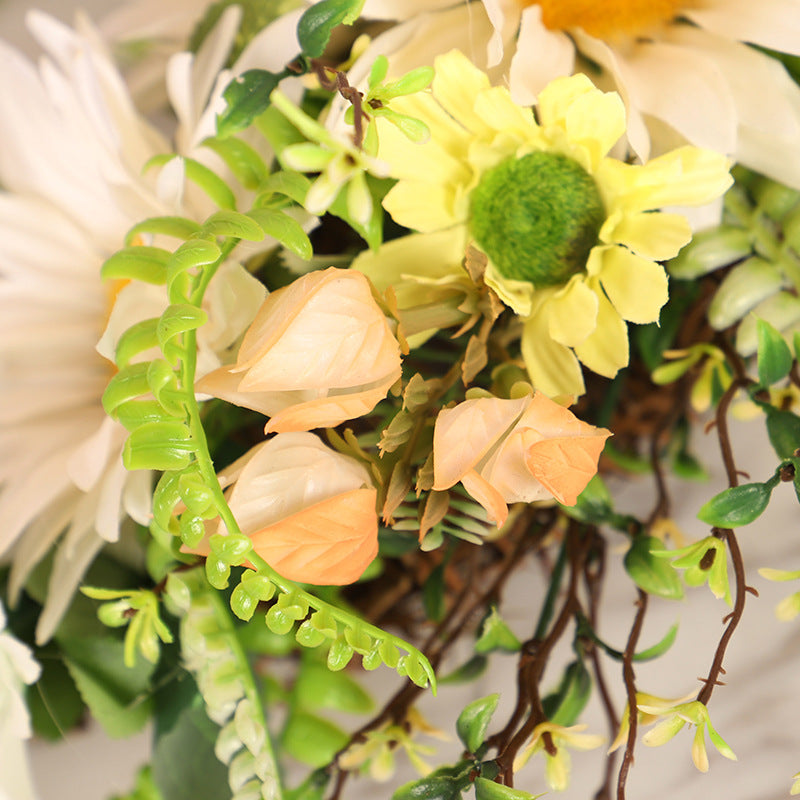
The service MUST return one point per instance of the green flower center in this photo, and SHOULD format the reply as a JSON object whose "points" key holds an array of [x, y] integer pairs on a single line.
{"points": [[537, 217]]}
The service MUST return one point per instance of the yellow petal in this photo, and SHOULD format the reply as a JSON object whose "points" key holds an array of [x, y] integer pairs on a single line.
{"points": [[501, 113], [636, 286], [688, 176], [596, 121], [572, 313], [517, 295], [605, 351], [456, 85], [428, 255], [657, 236], [557, 97], [425, 206], [553, 368]]}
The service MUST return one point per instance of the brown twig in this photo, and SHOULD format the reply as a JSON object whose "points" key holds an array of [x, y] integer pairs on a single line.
{"points": [[630, 689]]}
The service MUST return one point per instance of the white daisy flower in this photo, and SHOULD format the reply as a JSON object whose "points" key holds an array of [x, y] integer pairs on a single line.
{"points": [[72, 147], [17, 668]]}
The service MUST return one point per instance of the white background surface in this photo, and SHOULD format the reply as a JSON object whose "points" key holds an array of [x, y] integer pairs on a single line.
{"points": [[757, 712]]}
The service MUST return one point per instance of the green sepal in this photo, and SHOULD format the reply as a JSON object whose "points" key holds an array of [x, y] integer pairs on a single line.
{"points": [[317, 23], [242, 160], [129, 383], [285, 229], [774, 355], [177, 319], [473, 721], [783, 429], [372, 232], [177, 227], [654, 575], [739, 505], [139, 337], [158, 445], [489, 790], [247, 96], [233, 224], [139, 263]]}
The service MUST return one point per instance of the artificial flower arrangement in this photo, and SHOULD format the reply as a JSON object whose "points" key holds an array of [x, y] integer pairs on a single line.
{"points": [[294, 394]]}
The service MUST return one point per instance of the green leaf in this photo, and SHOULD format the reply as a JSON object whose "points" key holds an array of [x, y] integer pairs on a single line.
{"points": [[489, 790], [177, 227], [288, 183], [739, 505], [242, 160], [233, 224], [211, 183], [652, 574], [774, 355], [433, 594], [594, 504], [318, 687], [185, 766], [659, 648], [246, 96], [158, 445], [566, 704], [138, 338], [783, 428], [286, 230], [118, 697], [139, 263], [312, 739], [473, 721], [54, 702], [317, 23], [177, 319], [129, 383], [434, 787], [496, 635], [468, 671]]}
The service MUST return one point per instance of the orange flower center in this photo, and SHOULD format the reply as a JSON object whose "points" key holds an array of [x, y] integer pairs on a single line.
{"points": [[608, 19]]}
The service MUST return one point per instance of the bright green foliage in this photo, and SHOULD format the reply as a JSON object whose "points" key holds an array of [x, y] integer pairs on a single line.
{"points": [[650, 573], [774, 355], [739, 505], [473, 722]]}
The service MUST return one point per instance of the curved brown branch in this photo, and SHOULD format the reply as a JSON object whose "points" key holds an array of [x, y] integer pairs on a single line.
{"points": [[630, 689]]}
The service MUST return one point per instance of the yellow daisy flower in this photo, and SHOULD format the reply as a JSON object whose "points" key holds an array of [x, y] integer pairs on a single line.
{"points": [[571, 242]]}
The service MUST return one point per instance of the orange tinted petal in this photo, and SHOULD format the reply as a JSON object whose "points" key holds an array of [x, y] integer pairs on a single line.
{"points": [[329, 543], [487, 496], [564, 465]]}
